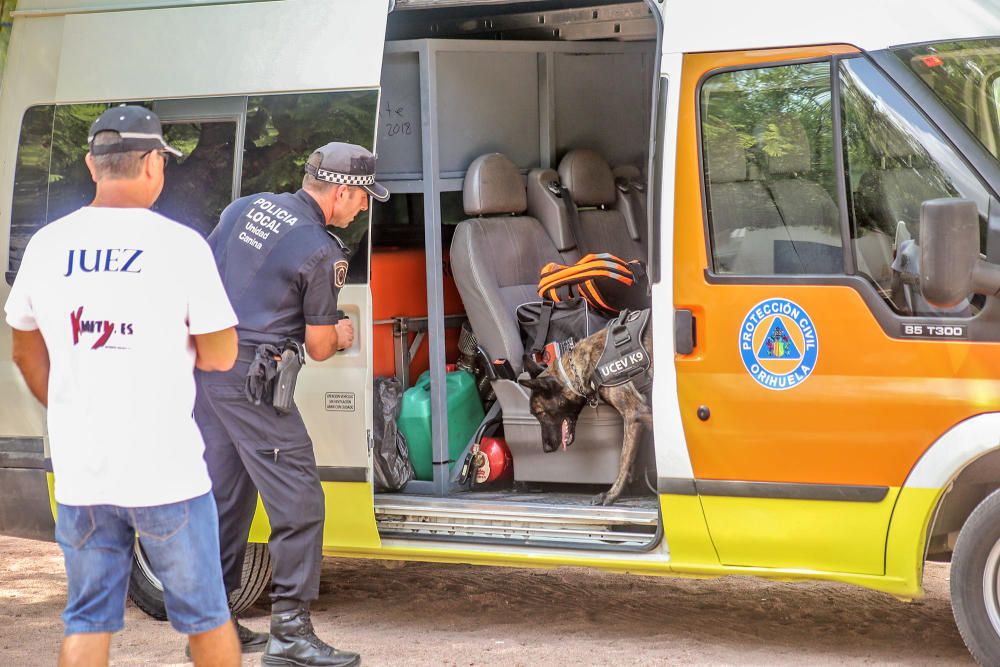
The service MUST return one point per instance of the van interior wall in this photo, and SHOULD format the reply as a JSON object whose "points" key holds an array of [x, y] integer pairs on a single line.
{"points": [[532, 100]]}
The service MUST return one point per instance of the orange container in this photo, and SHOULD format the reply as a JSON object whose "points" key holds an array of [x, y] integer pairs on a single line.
{"points": [[399, 289]]}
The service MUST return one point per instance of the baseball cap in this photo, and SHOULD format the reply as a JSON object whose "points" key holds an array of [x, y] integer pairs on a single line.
{"points": [[348, 164], [138, 127]]}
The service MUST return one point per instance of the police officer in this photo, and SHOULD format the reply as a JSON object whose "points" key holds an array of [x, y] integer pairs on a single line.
{"points": [[282, 266]]}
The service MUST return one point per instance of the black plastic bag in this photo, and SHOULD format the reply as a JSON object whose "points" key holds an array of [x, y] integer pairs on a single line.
{"points": [[390, 455]]}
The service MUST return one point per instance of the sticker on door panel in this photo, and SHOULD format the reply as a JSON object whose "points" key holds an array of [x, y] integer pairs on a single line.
{"points": [[778, 344], [340, 401]]}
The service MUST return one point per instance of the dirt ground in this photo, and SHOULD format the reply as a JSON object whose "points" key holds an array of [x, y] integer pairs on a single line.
{"points": [[430, 614]]}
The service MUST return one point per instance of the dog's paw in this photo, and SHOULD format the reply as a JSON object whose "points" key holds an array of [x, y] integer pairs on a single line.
{"points": [[603, 499]]}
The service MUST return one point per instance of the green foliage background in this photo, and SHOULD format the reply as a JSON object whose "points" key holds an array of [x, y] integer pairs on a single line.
{"points": [[6, 7]]}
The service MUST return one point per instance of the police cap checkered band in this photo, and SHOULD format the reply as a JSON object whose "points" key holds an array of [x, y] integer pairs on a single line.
{"points": [[342, 179], [138, 130], [346, 164]]}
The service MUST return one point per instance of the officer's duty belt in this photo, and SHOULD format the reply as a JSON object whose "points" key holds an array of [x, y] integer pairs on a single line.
{"points": [[246, 353]]}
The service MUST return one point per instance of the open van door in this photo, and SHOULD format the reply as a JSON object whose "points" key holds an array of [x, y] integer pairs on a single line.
{"points": [[247, 90], [820, 373]]}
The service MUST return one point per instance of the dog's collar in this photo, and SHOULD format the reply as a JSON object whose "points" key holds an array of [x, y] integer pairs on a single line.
{"points": [[592, 399]]}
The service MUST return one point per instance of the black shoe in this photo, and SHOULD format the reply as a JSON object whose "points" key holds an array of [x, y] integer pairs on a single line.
{"points": [[293, 642], [250, 641]]}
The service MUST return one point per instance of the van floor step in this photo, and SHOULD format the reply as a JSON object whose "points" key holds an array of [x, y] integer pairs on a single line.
{"points": [[558, 520]]}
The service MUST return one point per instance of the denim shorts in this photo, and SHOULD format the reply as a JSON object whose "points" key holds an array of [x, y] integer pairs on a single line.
{"points": [[181, 543]]}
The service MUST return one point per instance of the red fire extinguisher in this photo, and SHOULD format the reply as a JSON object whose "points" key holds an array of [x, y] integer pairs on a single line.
{"points": [[493, 461]]}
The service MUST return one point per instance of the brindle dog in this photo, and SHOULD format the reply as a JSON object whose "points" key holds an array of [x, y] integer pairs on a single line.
{"points": [[557, 397]]}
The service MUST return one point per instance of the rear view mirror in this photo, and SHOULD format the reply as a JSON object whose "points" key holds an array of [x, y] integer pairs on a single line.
{"points": [[951, 268]]}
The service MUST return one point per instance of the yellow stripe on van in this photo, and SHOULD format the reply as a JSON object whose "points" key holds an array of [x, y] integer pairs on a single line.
{"points": [[830, 535], [350, 517]]}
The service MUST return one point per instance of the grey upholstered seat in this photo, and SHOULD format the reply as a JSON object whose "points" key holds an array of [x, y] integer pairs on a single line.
{"points": [[736, 203], [809, 238], [590, 181], [497, 255]]}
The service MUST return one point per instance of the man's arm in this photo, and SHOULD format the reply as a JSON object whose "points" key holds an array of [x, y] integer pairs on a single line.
{"points": [[32, 357], [216, 350], [321, 341]]}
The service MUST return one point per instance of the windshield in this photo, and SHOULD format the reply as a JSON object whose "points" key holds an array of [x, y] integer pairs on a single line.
{"points": [[965, 76]]}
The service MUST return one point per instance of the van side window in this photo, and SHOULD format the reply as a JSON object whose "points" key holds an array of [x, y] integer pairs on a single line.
{"points": [[895, 160], [51, 179], [767, 143], [31, 177], [281, 132]]}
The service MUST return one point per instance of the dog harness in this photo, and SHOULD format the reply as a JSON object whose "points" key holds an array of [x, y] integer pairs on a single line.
{"points": [[624, 358]]}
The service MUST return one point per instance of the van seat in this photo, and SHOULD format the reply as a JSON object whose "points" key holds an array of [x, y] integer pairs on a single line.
{"points": [[737, 203], [591, 183], [497, 255], [808, 240]]}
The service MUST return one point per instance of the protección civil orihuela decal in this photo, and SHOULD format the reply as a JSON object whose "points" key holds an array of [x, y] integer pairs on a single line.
{"points": [[778, 344]]}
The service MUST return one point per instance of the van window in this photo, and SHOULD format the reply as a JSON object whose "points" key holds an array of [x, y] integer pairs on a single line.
{"points": [[31, 177], [767, 143], [963, 75], [283, 129], [51, 179], [895, 160]]}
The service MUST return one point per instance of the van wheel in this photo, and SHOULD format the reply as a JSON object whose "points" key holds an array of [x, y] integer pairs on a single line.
{"points": [[975, 581], [146, 591]]}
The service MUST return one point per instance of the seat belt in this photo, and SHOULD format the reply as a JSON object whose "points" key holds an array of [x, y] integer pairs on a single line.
{"points": [[571, 214]]}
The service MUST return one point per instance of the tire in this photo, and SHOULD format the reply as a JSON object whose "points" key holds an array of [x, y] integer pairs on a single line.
{"points": [[146, 591], [975, 581]]}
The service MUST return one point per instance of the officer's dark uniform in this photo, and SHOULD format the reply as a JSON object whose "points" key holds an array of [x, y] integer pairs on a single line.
{"points": [[282, 270]]}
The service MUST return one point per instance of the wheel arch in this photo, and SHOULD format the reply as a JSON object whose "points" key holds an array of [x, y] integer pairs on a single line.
{"points": [[963, 468]]}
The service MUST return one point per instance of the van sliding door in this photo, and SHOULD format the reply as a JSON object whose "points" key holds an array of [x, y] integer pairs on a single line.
{"points": [[247, 89]]}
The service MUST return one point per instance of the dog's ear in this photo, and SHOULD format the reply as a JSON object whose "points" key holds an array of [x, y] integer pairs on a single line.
{"points": [[545, 385], [532, 383], [530, 365]]}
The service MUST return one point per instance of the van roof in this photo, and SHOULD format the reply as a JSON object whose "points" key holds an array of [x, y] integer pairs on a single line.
{"points": [[692, 26], [871, 25]]}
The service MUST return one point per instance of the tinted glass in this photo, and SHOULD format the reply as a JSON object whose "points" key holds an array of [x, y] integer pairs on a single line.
{"points": [[769, 171], [896, 160], [963, 75], [200, 184], [282, 130], [31, 178], [52, 180]]}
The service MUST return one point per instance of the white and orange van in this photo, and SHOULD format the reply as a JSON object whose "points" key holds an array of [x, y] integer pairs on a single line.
{"points": [[815, 190]]}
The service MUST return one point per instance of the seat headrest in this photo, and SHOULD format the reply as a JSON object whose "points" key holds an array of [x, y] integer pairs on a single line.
{"points": [[588, 178], [786, 145], [725, 157], [897, 145], [493, 185]]}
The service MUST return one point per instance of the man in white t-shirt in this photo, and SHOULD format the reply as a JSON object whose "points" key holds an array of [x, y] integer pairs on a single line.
{"points": [[112, 309]]}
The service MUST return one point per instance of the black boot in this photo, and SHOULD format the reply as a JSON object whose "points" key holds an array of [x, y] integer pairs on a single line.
{"points": [[293, 642], [250, 641]]}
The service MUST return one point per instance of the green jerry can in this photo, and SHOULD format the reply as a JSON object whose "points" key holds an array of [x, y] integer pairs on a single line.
{"points": [[465, 414]]}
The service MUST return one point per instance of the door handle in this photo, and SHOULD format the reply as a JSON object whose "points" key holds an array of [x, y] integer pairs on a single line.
{"points": [[685, 331]]}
